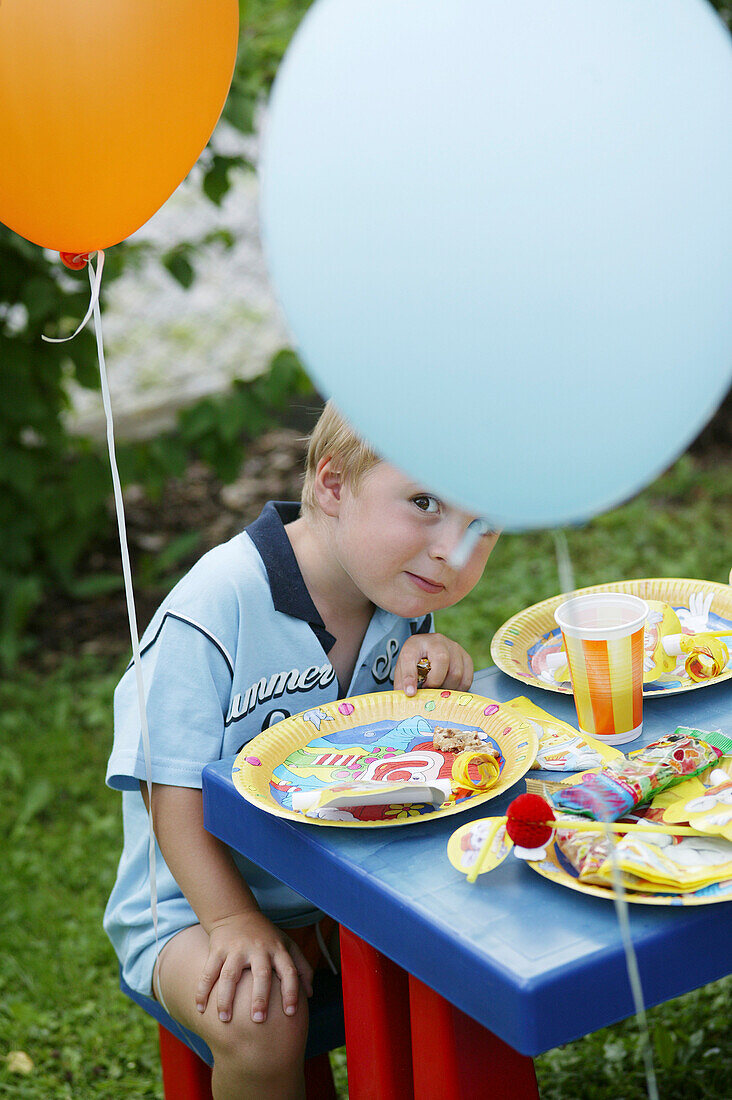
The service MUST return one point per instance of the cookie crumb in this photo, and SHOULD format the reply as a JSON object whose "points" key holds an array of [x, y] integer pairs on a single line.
{"points": [[448, 739]]}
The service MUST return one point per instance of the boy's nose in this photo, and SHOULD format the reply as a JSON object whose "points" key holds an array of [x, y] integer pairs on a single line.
{"points": [[447, 542]]}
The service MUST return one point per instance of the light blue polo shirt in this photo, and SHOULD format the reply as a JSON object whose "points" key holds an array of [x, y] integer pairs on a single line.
{"points": [[236, 646]]}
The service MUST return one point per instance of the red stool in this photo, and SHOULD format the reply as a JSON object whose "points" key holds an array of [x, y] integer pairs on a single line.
{"points": [[186, 1060]]}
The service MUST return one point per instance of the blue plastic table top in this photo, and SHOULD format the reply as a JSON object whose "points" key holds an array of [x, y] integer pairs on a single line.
{"points": [[538, 964]]}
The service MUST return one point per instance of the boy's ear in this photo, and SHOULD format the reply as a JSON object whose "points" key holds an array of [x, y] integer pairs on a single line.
{"points": [[328, 486]]}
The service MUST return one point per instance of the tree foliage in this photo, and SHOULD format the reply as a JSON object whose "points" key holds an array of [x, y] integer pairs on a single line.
{"points": [[54, 485]]}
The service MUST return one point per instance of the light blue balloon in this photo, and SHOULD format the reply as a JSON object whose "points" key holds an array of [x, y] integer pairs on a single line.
{"points": [[501, 232]]}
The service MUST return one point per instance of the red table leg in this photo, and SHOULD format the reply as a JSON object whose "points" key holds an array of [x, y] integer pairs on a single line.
{"points": [[455, 1058], [376, 1010]]}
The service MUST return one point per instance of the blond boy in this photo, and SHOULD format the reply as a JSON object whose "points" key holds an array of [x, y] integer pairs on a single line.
{"points": [[309, 604]]}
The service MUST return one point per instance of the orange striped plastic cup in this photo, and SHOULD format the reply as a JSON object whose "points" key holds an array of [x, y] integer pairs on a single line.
{"points": [[603, 636]]}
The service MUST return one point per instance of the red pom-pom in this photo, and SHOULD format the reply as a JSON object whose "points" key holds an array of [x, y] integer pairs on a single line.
{"points": [[526, 817], [73, 260]]}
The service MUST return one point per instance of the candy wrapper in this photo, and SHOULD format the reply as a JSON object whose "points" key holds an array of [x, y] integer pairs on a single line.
{"points": [[623, 784], [561, 747]]}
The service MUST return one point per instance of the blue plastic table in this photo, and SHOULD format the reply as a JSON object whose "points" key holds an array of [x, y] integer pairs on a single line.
{"points": [[536, 964]]}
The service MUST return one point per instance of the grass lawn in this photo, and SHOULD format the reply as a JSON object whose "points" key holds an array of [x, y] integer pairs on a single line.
{"points": [[59, 1000]]}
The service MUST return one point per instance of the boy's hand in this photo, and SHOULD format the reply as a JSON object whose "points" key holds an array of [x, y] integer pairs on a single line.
{"points": [[450, 665], [249, 941]]}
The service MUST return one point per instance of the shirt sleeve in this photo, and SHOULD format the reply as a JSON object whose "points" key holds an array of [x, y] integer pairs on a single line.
{"points": [[187, 677]]}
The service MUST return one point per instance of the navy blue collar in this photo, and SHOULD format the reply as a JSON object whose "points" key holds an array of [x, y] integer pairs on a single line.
{"points": [[289, 592]]}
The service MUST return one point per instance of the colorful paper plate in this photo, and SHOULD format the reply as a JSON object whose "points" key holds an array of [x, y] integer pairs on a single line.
{"points": [[558, 869], [521, 646], [380, 736]]}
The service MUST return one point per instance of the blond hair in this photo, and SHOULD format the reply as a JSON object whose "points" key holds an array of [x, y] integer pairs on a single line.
{"points": [[333, 437]]}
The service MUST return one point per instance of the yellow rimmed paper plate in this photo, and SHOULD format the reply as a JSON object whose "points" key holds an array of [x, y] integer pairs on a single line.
{"points": [[523, 646], [383, 736], [558, 869]]}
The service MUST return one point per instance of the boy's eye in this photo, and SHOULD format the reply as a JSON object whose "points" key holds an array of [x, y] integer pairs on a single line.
{"points": [[426, 503]]}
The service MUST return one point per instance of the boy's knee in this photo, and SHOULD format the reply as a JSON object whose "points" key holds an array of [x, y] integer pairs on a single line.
{"points": [[263, 1049]]}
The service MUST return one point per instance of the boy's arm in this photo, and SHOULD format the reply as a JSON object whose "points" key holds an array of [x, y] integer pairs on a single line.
{"points": [[240, 936]]}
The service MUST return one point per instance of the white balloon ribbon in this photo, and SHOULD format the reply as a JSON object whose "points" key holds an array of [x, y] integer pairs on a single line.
{"points": [[95, 281], [567, 585], [96, 284]]}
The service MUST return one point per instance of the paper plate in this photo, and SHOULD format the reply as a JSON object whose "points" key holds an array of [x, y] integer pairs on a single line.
{"points": [[558, 869], [521, 646], [386, 736]]}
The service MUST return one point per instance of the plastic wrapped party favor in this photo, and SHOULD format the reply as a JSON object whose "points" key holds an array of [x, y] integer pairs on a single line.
{"points": [[648, 862], [669, 863], [621, 785], [586, 852]]}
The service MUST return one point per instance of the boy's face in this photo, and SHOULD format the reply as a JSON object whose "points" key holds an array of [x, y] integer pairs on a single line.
{"points": [[395, 539]]}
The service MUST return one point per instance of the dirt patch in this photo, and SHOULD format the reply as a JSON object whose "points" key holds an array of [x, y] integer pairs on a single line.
{"points": [[196, 505]]}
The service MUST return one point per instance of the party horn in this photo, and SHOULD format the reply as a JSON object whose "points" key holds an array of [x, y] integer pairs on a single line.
{"points": [[706, 655]]}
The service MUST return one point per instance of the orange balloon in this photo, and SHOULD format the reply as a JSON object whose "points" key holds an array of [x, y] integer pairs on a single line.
{"points": [[105, 106]]}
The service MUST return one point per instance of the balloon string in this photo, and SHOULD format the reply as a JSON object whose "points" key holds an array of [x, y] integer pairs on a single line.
{"points": [[96, 284], [564, 563], [460, 555], [95, 281], [566, 584], [631, 964]]}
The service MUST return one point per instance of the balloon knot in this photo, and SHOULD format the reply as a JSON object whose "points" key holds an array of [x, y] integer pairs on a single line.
{"points": [[74, 260]]}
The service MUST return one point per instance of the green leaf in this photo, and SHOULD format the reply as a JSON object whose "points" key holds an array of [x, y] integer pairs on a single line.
{"points": [[11, 767], [96, 584], [220, 236], [178, 548], [37, 797], [197, 420], [664, 1047], [180, 268], [216, 180], [40, 298], [239, 110]]}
